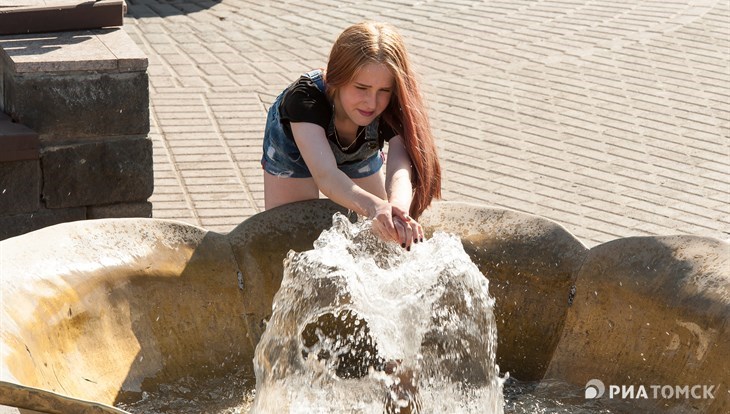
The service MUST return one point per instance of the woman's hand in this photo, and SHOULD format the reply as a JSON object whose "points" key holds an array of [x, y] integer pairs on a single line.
{"points": [[409, 230], [382, 216], [391, 223]]}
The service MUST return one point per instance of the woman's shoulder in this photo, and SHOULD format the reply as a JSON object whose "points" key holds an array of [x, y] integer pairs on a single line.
{"points": [[303, 101], [305, 86], [310, 83]]}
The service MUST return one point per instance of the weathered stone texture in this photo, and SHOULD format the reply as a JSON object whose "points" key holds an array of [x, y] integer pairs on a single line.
{"points": [[20, 183], [97, 173], [74, 119], [17, 141], [139, 209], [73, 106], [17, 224]]}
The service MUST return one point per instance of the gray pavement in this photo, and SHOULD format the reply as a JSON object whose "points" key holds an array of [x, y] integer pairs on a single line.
{"points": [[611, 117]]}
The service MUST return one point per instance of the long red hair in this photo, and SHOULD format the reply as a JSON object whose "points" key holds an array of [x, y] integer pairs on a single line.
{"points": [[371, 42]]}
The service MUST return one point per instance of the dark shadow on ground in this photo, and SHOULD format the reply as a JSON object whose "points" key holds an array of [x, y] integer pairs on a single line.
{"points": [[141, 9]]}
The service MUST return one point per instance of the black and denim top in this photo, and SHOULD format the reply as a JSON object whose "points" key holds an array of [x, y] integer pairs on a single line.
{"points": [[306, 101]]}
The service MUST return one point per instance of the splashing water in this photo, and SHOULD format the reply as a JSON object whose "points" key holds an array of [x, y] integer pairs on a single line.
{"points": [[361, 326]]}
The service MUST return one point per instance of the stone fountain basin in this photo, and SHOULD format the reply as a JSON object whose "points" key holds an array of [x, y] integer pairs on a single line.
{"points": [[91, 309]]}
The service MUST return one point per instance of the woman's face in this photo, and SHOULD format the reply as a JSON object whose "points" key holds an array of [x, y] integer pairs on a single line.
{"points": [[367, 96]]}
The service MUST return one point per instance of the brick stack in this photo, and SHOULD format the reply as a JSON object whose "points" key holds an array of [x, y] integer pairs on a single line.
{"points": [[74, 139]]}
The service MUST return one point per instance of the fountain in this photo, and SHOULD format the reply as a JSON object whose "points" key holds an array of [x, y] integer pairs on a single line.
{"points": [[404, 329], [95, 311]]}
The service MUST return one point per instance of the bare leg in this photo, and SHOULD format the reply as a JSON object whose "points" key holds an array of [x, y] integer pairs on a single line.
{"points": [[279, 191]]}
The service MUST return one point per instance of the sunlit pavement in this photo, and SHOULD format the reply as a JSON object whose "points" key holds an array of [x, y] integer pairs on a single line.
{"points": [[609, 117]]}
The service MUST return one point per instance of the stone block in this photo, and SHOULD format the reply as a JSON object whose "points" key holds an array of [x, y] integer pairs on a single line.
{"points": [[77, 106], [102, 50], [2, 90], [79, 147], [20, 186], [75, 85], [647, 311], [17, 142], [120, 210], [17, 224], [97, 173]]}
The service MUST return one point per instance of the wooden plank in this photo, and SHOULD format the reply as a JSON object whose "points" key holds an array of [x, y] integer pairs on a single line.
{"points": [[69, 16]]}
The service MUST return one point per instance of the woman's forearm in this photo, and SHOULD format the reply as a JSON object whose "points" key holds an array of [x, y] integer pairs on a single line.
{"points": [[342, 190], [400, 191], [330, 180], [398, 175]]}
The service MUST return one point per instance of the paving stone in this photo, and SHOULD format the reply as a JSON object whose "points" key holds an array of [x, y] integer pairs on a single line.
{"points": [[611, 117]]}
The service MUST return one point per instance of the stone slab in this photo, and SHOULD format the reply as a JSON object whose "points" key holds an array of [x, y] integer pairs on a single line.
{"points": [[20, 187], [103, 50], [17, 142], [77, 106], [15, 225], [97, 173]]}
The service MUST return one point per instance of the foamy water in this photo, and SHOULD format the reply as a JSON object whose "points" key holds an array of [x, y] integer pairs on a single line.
{"points": [[362, 326]]}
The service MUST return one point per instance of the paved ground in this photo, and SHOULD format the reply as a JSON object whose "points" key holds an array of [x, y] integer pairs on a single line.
{"points": [[611, 117]]}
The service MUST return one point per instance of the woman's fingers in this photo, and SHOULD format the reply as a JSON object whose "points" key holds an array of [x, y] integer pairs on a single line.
{"points": [[405, 233], [408, 236], [416, 229], [418, 234], [390, 228], [384, 228], [396, 225]]}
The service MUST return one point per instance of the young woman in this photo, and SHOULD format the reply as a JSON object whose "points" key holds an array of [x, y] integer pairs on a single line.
{"points": [[326, 133]]}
